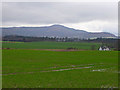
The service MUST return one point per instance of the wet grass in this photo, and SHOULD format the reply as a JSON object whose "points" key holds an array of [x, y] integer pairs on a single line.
{"points": [[42, 69]]}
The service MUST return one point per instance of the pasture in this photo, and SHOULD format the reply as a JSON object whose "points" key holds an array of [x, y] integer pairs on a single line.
{"points": [[52, 69], [50, 45]]}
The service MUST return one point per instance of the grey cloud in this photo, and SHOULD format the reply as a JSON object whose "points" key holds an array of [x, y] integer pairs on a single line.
{"points": [[48, 12]]}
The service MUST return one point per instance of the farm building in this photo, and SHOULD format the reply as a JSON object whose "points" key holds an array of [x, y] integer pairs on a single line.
{"points": [[104, 48]]}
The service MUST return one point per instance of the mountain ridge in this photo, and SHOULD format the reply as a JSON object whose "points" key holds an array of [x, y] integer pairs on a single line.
{"points": [[53, 30]]}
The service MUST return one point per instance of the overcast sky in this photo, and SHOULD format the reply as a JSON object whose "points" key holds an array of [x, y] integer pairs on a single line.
{"points": [[89, 16]]}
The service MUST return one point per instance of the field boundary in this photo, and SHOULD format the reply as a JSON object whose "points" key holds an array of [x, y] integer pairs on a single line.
{"points": [[47, 49]]}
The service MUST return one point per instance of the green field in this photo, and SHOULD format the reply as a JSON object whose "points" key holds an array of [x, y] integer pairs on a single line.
{"points": [[51, 45], [52, 69]]}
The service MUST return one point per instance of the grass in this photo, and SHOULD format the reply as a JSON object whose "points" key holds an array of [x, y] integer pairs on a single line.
{"points": [[51, 45], [37, 69]]}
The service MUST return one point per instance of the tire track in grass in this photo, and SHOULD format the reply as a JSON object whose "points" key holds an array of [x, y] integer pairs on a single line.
{"points": [[71, 67], [49, 70]]}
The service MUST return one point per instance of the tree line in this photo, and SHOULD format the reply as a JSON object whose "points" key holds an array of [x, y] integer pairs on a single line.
{"points": [[109, 42]]}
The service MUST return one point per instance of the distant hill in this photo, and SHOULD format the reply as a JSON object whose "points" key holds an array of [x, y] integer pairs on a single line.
{"points": [[53, 31]]}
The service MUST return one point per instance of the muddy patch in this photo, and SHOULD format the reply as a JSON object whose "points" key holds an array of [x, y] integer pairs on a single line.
{"points": [[62, 50], [57, 49]]}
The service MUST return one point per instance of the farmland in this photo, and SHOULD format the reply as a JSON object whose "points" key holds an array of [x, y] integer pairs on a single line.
{"points": [[50, 69], [50, 45]]}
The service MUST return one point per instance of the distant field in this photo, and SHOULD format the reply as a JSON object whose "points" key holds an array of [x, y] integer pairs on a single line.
{"points": [[51, 69], [49, 45], [9, 42]]}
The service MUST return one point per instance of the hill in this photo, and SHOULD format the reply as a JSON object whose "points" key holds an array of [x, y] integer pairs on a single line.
{"points": [[53, 31]]}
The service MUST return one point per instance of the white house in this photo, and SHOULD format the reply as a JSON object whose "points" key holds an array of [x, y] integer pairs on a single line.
{"points": [[100, 49], [107, 49], [104, 48]]}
